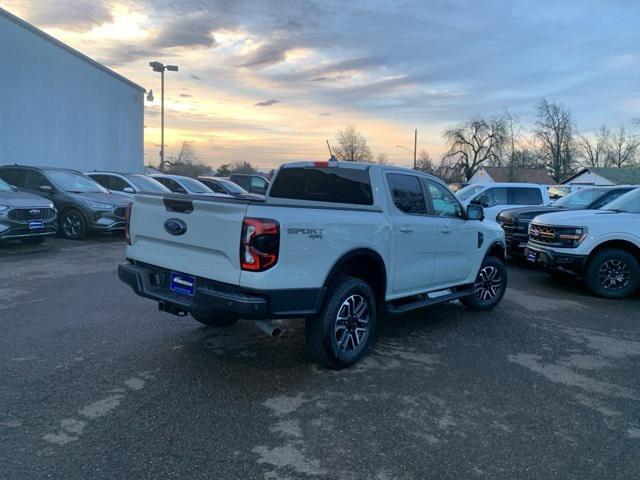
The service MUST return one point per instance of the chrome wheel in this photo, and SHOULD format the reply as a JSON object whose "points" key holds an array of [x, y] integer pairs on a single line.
{"points": [[488, 283], [614, 274], [352, 324], [72, 225]]}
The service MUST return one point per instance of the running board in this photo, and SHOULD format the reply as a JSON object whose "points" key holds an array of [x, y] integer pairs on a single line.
{"points": [[428, 299]]}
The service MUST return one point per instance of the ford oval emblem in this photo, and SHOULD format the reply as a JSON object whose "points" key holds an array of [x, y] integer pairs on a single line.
{"points": [[175, 226]]}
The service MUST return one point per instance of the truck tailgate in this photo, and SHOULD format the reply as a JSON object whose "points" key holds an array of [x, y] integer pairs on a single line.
{"points": [[210, 245]]}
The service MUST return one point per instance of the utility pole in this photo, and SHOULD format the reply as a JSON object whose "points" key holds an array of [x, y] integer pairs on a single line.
{"points": [[415, 149], [159, 67]]}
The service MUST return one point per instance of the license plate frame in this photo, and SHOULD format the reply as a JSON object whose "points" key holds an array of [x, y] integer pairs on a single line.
{"points": [[36, 224], [182, 284]]}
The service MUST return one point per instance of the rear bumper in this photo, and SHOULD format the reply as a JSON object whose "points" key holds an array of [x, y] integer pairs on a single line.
{"points": [[215, 297], [560, 261]]}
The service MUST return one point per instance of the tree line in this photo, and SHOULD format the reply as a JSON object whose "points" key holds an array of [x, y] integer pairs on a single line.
{"points": [[552, 142]]}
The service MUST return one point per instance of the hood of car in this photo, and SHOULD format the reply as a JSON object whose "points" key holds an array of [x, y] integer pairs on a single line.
{"points": [[576, 218], [23, 199], [527, 213], [110, 198]]}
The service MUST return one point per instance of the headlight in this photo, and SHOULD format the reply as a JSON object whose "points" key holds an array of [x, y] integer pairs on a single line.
{"points": [[3, 208], [571, 236], [99, 205]]}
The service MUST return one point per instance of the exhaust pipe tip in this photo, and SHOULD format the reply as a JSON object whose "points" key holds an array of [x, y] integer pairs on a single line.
{"points": [[268, 328]]}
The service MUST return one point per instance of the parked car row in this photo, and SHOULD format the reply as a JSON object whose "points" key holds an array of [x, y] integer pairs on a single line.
{"points": [[36, 202]]}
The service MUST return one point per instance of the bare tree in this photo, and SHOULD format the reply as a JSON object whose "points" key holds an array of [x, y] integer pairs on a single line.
{"points": [[554, 129], [594, 152], [623, 148], [474, 143], [227, 169], [352, 146], [185, 163], [382, 158], [424, 163]]}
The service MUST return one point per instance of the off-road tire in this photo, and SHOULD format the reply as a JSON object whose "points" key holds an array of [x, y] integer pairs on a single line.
{"points": [[613, 257], [484, 298], [327, 333]]}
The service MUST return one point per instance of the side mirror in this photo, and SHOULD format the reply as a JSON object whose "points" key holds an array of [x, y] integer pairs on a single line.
{"points": [[128, 190], [46, 188], [475, 212]]}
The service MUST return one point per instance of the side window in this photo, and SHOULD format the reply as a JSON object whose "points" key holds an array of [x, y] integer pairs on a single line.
{"points": [[216, 187], [35, 180], [14, 176], [525, 196], [116, 183], [492, 197], [444, 202], [258, 182], [242, 181], [101, 179], [607, 198], [407, 193]]}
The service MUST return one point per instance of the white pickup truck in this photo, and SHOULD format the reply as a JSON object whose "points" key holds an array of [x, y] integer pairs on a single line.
{"points": [[333, 242], [601, 246]]}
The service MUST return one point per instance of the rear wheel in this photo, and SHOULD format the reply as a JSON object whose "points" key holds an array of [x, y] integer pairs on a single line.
{"points": [[32, 240], [213, 320], [73, 225], [612, 273], [490, 285], [341, 334]]}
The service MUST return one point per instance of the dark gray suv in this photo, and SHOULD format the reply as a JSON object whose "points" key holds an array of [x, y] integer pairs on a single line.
{"points": [[24, 216], [83, 205]]}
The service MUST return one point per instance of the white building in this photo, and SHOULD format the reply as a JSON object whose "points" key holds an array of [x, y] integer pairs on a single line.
{"points": [[60, 108], [511, 174], [605, 176]]}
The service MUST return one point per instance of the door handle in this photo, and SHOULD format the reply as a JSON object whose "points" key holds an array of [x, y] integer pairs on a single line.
{"points": [[406, 229], [445, 229]]}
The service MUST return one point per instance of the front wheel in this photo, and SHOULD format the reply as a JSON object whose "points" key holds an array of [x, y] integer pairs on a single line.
{"points": [[212, 320], [612, 273], [489, 287], [73, 225], [340, 335]]}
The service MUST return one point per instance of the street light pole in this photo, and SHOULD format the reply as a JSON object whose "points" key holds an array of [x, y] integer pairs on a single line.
{"points": [[159, 67], [415, 149]]}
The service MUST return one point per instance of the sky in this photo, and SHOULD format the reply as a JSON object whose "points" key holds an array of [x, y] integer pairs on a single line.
{"points": [[269, 81]]}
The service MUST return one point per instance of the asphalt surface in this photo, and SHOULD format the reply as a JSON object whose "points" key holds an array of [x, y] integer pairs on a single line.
{"points": [[96, 383]]}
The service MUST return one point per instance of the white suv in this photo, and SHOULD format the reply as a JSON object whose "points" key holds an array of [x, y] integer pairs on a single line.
{"points": [[496, 197], [602, 246]]}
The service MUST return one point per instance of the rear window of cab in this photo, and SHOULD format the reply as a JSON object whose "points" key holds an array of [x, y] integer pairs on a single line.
{"points": [[330, 184]]}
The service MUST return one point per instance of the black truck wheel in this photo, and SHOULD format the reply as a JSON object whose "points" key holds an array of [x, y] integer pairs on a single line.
{"points": [[213, 320], [490, 285], [340, 335], [612, 273]]}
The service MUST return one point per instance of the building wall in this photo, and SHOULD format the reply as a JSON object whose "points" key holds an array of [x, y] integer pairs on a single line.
{"points": [[57, 109], [589, 178]]}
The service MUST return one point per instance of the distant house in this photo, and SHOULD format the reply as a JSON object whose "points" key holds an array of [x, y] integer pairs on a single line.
{"points": [[512, 174], [605, 176]]}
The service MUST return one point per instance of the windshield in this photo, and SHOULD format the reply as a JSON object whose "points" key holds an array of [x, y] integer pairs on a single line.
{"points": [[74, 182], [468, 191], [147, 184], [231, 187], [194, 186], [628, 203], [5, 187], [580, 199]]}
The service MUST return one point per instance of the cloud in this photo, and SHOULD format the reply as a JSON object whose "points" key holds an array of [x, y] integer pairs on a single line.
{"points": [[324, 114], [265, 55], [185, 95], [75, 15], [192, 30], [267, 103]]}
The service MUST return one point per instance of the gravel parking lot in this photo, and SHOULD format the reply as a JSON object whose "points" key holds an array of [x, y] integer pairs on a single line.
{"points": [[96, 383]]}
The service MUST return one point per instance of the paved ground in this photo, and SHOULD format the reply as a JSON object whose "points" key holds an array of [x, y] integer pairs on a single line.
{"points": [[96, 383]]}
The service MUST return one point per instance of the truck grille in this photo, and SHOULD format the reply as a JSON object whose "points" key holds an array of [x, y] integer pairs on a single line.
{"points": [[26, 214], [542, 234]]}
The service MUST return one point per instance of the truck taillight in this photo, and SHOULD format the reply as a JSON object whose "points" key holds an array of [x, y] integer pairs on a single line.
{"points": [[127, 219], [259, 244]]}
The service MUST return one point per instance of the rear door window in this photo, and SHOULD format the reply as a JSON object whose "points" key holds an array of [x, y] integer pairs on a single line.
{"points": [[525, 196], [117, 184], [34, 180], [407, 193], [332, 184], [101, 179]]}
